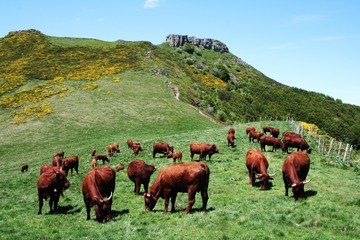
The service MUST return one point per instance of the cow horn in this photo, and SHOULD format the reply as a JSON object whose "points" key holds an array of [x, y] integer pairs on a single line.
{"points": [[258, 174], [271, 175], [107, 199], [293, 185], [306, 181]]}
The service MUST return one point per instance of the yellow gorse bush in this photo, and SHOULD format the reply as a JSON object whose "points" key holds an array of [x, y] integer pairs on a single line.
{"points": [[309, 127]]}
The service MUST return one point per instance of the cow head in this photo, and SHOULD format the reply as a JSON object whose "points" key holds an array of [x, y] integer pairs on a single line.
{"points": [[264, 179], [298, 189], [309, 150], [103, 209], [214, 148], [150, 201]]}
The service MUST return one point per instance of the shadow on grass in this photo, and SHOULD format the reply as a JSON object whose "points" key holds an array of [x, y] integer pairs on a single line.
{"points": [[258, 185], [65, 210], [115, 214], [310, 193]]}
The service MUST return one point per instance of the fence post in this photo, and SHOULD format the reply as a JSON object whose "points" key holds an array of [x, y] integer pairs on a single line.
{"points": [[351, 151], [346, 149], [339, 151], [331, 144]]}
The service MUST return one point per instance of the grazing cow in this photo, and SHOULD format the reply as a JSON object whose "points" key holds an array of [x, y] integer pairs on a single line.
{"points": [[275, 132], [270, 141], [93, 163], [255, 135], [162, 147], [52, 183], [175, 155], [296, 142], [130, 143], [112, 149], [24, 168], [231, 130], [102, 157], [295, 169], [137, 148], [203, 149], [231, 139], [60, 154], [98, 187], [57, 161], [267, 129], [139, 172], [249, 129], [187, 177], [290, 134], [257, 164], [70, 163]]}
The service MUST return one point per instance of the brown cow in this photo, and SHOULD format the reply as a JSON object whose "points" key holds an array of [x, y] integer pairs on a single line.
{"points": [[137, 148], [57, 161], [24, 168], [60, 154], [255, 135], [202, 149], [102, 157], [296, 142], [130, 143], [70, 163], [249, 129], [112, 149], [267, 129], [52, 183], [93, 163], [295, 169], [270, 141], [275, 132], [139, 172], [231, 130], [290, 134], [120, 167], [98, 187], [231, 139], [162, 147], [175, 155], [257, 164], [45, 168], [187, 177]]}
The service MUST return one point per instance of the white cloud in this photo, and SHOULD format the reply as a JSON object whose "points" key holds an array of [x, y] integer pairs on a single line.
{"points": [[151, 3]]}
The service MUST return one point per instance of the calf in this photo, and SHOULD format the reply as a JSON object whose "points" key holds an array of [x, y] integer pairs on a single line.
{"points": [[137, 148], [257, 164], [70, 163], [139, 172], [112, 149], [231, 139], [24, 168], [175, 155], [255, 135], [203, 149], [102, 157], [187, 177], [162, 147], [270, 141], [130, 143], [294, 170]]}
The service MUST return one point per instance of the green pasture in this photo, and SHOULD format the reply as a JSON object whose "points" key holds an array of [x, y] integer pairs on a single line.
{"points": [[142, 108]]}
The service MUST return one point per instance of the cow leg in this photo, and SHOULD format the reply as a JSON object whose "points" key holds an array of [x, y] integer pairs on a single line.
{"points": [[51, 201], [205, 198], [77, 170], [87, 211], [191, 155], [41, 203], [137, 186], [166, 202], [146, 185], [191, 201], [286, 185], [56, 201], [173, 200]]}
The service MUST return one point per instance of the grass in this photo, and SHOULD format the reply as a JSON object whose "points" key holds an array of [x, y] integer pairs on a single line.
{"points": [[113, 112]]}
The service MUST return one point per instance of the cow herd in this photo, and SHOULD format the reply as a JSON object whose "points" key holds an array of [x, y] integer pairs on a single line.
{"points": [[98, 184]]}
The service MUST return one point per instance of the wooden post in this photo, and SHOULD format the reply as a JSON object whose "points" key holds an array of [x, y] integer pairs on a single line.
{"points": [[339, 151], [351, 151], [346, 149], [331, 144]]}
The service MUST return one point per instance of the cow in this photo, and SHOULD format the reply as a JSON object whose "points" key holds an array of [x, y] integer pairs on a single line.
{"points": [[203, 149], [294, 170], [102, 157], [98, 187], [275, 132], [139, 172], [112, 149], [249, 129], [187, 177], [270, 141], [60, 154], [290, 134], [93, 163], [231, 130], [70, 163], [255, 135], [24, 168], [57, 161], [296, 142], [130, 143], [257, 165], [175, 155], [120, 167], [162, 147], [51, 183], [45, 168], [137, 148], [267, 129], [231, 139]]}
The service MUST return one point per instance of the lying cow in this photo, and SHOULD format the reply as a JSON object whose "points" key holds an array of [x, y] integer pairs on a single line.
{"points": [[187, 177], [257, 165], [139, 172], [162, 147], [51, 183], [203, 149], [175, 155], [70, 163], [294, 170], [270, 141], [296, 142], [98, 187], [255, 135]]}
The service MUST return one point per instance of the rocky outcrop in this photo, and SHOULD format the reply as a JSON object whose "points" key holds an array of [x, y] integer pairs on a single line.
{"points": [[176, 40]]}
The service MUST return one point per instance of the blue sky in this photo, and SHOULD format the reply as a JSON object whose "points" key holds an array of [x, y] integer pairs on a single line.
{"points": [[309, 44]]}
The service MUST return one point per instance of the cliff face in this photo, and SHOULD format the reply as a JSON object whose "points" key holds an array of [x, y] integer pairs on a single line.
{"points": [[176, 40]]}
